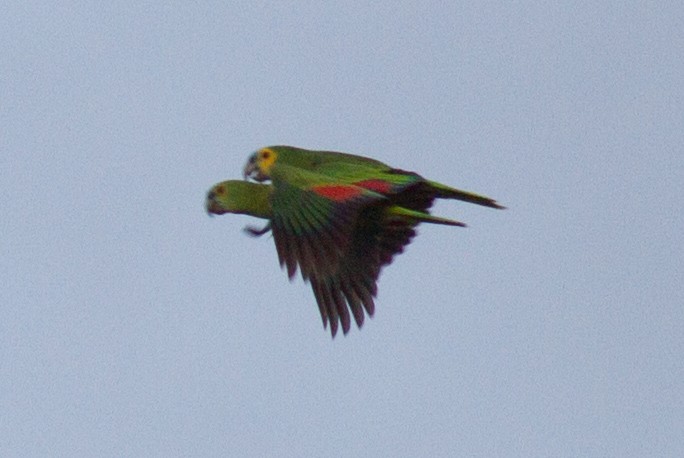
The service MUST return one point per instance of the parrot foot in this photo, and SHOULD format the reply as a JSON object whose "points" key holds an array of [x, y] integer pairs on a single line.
{"points": [[255, 232]]}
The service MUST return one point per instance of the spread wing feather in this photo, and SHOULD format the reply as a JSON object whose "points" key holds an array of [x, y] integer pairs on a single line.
{"points": [[339, 245]]}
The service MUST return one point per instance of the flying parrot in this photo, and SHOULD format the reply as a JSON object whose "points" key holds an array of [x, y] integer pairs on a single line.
{"points": [[407, 189], [340, 236]]}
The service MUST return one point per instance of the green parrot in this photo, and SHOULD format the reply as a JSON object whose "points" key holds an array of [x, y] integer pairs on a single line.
{"points": [[339, 235], [407, 189]]}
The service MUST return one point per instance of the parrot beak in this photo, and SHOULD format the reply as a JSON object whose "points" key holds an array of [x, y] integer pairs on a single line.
{"points": [[251, 170], [213, 208]]}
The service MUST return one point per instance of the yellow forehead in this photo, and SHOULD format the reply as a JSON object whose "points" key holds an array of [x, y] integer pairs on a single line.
{"points": [[266, 157]]}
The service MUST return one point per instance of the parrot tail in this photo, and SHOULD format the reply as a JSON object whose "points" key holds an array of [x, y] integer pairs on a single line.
{"points": [[445, 192]]}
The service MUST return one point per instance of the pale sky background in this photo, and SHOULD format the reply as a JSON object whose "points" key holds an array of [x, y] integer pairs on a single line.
{"points": [[132, 324]]}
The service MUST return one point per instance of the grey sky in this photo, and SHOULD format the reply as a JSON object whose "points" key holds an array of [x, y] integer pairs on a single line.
{"points": [[134, 325]]}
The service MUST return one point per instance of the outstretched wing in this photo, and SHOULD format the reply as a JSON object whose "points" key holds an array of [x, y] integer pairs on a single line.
{"points": [[377, 237], [313, 224], [339, 236]]}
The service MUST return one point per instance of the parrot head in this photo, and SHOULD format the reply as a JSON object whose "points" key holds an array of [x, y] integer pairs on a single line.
{"points": [[238, 196], [259, 164], [215, 196]]}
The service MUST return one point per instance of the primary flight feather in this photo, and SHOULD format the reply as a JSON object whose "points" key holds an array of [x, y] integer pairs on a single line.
{"points": [[337, 217], [340, 236]]}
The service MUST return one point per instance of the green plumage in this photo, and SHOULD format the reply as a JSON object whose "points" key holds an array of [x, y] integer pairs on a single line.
{"points": [[408, 189], [337, 217], [235, 196], [340, 246]]}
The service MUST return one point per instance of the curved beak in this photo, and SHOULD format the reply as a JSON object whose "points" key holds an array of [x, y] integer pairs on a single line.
{"points": [[213, 207], [251, 170]]}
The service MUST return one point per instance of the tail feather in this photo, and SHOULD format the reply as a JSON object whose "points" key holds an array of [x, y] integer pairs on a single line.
{"points": [[445, 192], [423, 217]]}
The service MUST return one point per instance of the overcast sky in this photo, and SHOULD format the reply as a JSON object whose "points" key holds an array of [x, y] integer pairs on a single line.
{"points": [[132, 324]]}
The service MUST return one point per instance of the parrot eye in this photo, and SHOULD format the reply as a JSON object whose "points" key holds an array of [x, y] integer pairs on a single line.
{"points": [[265, 154], [220, 190]]}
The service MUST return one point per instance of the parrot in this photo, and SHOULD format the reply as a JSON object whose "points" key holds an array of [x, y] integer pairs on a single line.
{"points": [[340, 236], [408, 189]]}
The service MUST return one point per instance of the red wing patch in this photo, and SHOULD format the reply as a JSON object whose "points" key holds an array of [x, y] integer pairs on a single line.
{"points": [[337, 192], [380, 186]]}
